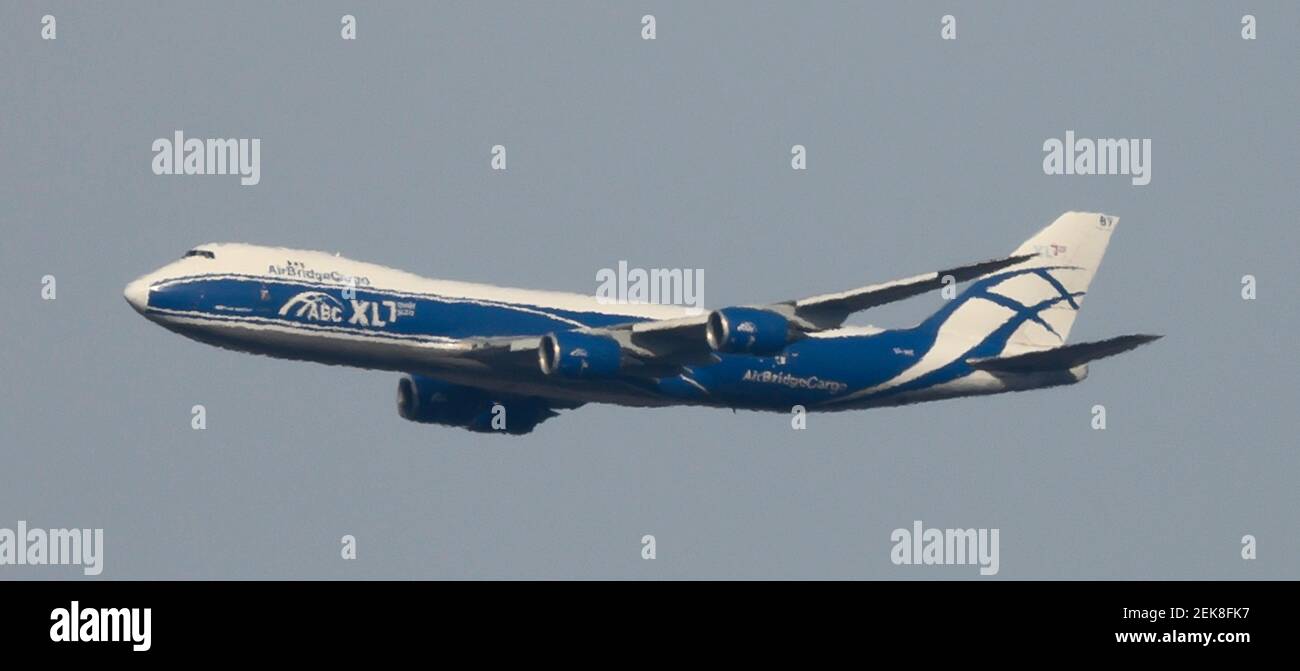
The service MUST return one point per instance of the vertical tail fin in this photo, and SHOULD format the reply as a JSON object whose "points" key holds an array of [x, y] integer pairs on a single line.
{"points": [[1032, 305]]}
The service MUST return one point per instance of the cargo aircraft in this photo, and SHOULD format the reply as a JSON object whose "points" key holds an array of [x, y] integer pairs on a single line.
{"points": [[487, 358]]}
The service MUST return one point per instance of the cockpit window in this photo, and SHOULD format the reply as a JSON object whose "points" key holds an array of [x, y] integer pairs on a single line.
{"points": [[199, 252]]}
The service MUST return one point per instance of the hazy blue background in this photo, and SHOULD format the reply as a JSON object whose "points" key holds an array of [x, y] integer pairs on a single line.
{"points": [[671, 153]]}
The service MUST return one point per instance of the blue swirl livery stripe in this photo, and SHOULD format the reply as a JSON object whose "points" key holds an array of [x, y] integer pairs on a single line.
{"points": [[990, 346]]}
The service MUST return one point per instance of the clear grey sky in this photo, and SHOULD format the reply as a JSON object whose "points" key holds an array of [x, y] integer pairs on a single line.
{"points": [[666, 153]]}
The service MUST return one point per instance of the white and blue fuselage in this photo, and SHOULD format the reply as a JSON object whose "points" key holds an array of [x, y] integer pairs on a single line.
{"points": [[320, 307]]}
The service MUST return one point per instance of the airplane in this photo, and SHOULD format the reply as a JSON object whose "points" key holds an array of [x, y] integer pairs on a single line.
{"points": [[492, 359]]}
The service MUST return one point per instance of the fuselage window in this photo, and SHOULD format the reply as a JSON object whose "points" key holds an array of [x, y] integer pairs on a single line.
{"points": [[199, 252]]}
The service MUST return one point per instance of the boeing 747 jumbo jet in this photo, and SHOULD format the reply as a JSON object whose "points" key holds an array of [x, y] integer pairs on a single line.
{"points": [[488, 359]]}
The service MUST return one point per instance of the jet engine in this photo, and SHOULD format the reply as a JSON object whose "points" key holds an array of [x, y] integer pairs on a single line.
{"points": [[748, 331], [579, 355], [431, 401]]}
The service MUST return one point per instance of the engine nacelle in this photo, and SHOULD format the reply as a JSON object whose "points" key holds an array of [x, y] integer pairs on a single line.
{"points": [[747, 331], [579, 355], [430, 401]]}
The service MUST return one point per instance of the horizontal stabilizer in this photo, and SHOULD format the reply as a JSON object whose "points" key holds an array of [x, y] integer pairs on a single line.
{"points": [[1061, 358]]}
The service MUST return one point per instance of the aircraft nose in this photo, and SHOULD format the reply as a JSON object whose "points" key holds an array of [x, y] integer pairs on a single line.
{"points": [[137, 294]]}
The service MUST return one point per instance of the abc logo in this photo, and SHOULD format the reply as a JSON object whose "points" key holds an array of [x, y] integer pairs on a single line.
{"points": [[314, 306]]}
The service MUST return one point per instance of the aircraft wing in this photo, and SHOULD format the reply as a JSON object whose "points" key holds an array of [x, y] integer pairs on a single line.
{"points": [[826, 311], [830, 310], [501, 351], [664, 345]]}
